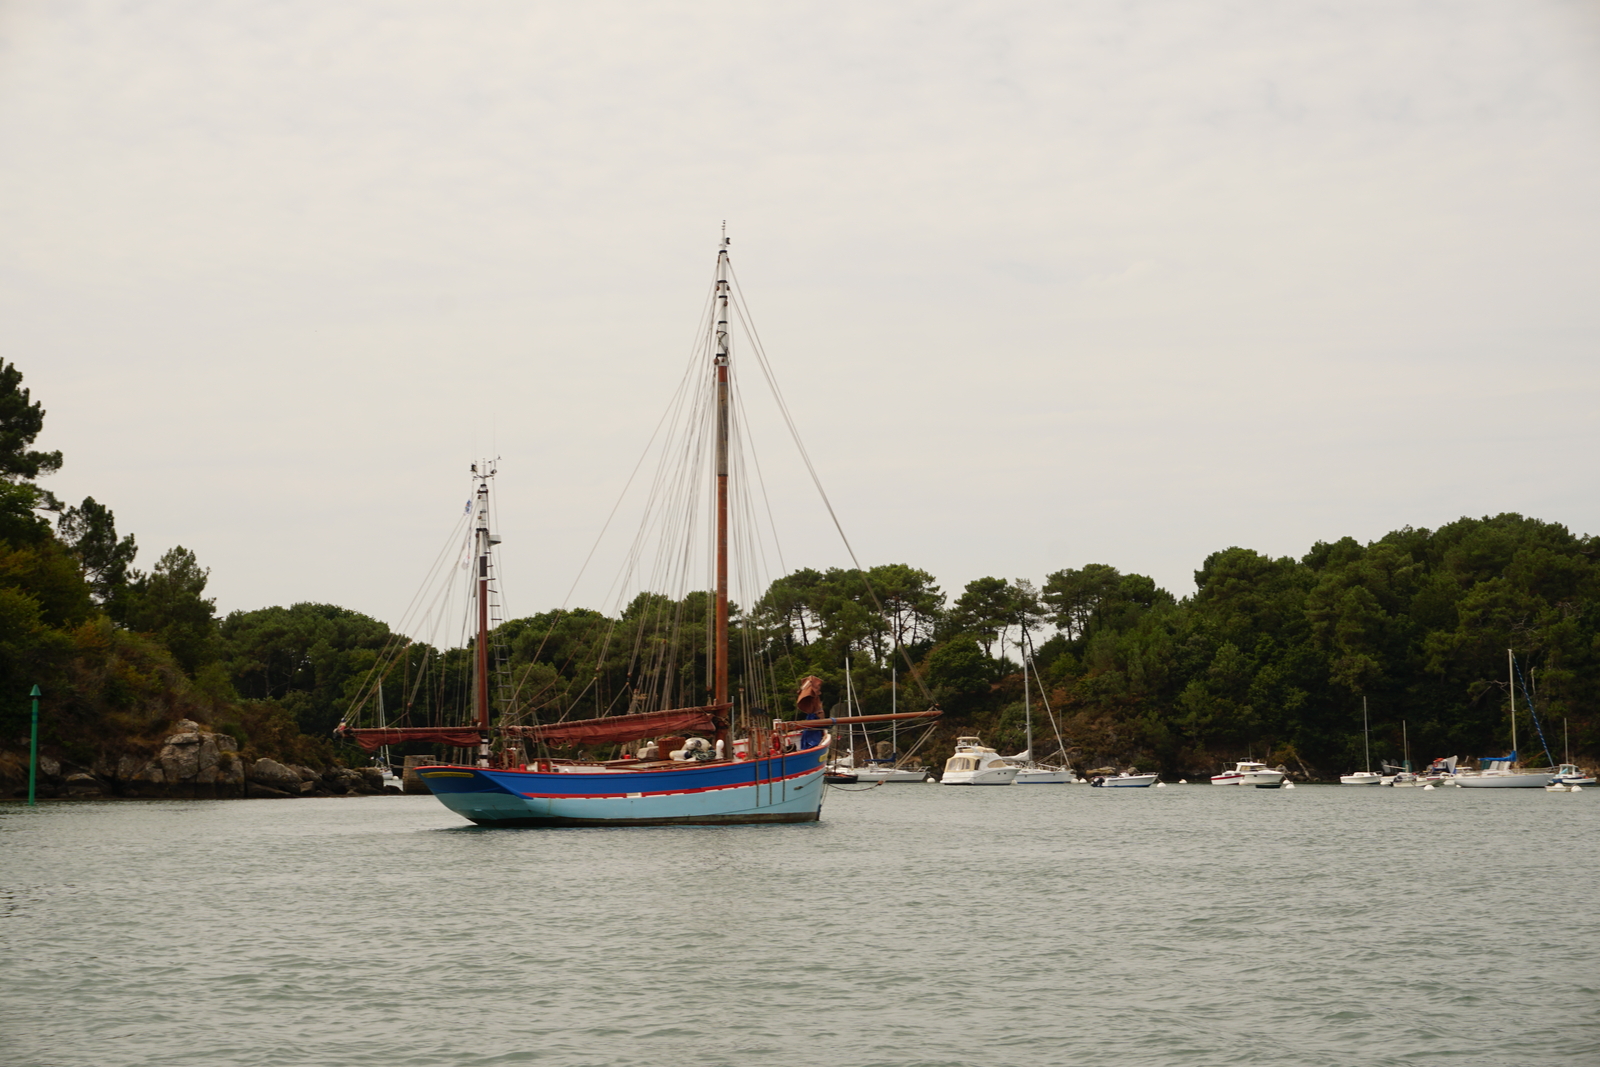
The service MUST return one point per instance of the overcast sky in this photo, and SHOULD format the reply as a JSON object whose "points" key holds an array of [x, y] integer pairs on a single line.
{"points": [[1047, 283]]}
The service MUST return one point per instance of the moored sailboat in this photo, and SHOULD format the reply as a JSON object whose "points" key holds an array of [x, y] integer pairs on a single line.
{"points": [[1503, 772], [1029, 770], [1363, 777]]}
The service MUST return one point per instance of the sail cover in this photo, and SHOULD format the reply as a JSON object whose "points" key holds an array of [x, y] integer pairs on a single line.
{"points": [[374, 739], [615, 729]]}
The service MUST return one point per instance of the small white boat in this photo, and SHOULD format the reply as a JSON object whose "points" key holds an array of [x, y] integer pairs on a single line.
{"points": [[976, 764], [1123, 781], [1365, 777], [876, 770], [1571, 774], [1441, 771], [1361, 778], [1248, 772], [1031, 773]]}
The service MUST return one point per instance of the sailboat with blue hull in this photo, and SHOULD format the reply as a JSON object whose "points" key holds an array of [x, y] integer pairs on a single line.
{"points": [[706, 764], [786, 787]]}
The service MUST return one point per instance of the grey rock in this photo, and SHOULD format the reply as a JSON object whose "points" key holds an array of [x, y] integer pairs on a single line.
{"points": [[83, 785], [50, 767], [128, 768], [306, 773], [180, 762], [225, 743], [208, 754], [372, 777], [230, 769], [274, 775], [256, 789]]}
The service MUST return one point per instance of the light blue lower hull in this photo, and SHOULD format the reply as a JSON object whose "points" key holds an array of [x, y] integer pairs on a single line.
{"points": [[782, 788]]}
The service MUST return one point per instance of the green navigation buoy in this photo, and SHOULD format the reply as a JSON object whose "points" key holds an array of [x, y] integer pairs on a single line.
{"points": [[33, 748]]}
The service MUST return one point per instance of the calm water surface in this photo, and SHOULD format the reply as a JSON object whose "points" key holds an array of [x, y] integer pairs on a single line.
{"points": [[915, 925]]}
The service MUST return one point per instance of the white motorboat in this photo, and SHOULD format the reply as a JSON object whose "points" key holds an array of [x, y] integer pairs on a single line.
{"points": [[1248, 772], [1568, 776], [1361, 778], [976, 764], [1571, 774], [1123, 780]]}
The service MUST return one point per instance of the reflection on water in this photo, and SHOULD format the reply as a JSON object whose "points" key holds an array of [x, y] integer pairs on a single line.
{"points": [[913, 925]]}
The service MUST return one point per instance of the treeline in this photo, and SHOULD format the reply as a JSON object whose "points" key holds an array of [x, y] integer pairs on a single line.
{"points": [[1269, 657]]}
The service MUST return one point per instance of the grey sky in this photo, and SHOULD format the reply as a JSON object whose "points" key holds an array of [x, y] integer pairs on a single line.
{"points": [[1047, 283]]}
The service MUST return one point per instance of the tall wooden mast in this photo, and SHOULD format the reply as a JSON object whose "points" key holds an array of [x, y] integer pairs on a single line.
{"points": [[719, 685]]}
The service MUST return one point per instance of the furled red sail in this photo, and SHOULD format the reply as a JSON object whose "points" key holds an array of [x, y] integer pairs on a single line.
{"points": [[374, 739], [616, 729]]}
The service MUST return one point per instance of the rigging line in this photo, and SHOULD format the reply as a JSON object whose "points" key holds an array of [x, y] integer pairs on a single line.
{"points": [[1549, 759], [746, 442], [1061, 746], [398, 633], [644, 455], [816, 480]]}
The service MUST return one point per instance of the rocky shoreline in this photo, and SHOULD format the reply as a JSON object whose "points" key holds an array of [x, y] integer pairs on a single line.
{"points": [[192, 763]]}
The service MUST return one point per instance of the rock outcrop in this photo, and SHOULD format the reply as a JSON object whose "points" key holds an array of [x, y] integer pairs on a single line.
{"points": [[276, 776], [191, 762]]}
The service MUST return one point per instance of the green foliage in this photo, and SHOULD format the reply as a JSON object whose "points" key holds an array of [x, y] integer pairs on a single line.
{"points": [[959, 672], [90, 530], [21, 420], [167, 603], [309, 658]]}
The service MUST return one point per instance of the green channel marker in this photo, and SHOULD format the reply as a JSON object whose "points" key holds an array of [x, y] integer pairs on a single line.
{"points": [[33, 748]]}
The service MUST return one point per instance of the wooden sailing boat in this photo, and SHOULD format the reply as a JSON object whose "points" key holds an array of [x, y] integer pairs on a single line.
{"points": [[773, 774]]}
